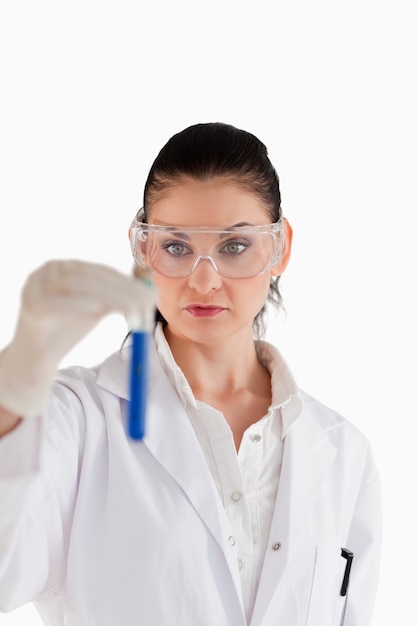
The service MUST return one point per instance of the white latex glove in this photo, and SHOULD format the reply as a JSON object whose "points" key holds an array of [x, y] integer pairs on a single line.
{"points": [[61, 302]]}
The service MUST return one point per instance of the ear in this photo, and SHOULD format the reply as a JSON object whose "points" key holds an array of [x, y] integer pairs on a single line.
{"points": [[279, 268]]}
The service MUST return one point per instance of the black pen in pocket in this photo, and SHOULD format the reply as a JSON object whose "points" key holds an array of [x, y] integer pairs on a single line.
{"points": [[348, 555]]}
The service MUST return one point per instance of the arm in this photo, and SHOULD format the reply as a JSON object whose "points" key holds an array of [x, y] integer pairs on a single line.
{"points": [[61, 302]]}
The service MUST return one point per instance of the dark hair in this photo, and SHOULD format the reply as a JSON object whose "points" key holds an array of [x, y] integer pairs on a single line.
{"points": [[214, 150]]}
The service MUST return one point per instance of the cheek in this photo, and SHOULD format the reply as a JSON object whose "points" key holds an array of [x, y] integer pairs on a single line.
{"points": [[167, 289], [259, 288], [160, 283], [254, 293]]}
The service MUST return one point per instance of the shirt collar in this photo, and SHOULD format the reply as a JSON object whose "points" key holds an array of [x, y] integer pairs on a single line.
{"points": [[285, 392]]}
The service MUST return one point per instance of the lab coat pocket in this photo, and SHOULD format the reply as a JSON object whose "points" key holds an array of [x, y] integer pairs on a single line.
{"points": [[327, 606]]}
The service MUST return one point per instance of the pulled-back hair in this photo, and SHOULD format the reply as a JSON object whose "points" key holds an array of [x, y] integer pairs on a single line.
{"points": [[216, 150]]}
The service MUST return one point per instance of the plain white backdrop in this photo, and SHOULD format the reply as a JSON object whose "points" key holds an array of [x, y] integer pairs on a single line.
{"points": [[91, 90]]}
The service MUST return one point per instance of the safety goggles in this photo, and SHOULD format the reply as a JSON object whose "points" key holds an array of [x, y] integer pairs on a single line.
{"points": [[235, 252]]}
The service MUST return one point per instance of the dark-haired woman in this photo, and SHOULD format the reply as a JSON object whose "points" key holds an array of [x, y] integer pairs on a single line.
{"points": [[247, 501]]}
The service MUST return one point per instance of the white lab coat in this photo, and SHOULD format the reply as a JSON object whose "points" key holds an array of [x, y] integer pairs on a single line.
{"points": [[105, 531]]}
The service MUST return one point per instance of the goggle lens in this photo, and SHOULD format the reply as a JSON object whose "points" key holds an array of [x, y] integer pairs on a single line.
{"points": [[239, 252]]}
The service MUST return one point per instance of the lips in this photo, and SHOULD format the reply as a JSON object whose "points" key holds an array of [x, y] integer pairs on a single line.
{"points": [[202, 310]]}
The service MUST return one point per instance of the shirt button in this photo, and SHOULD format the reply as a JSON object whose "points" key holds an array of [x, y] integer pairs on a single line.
{"points": [[232, 541], [256, 438], [236, 495], [240, 563], [276, 546]]}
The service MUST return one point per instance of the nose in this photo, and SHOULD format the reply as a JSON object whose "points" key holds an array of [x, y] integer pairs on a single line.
{"points": [[204, 277]]}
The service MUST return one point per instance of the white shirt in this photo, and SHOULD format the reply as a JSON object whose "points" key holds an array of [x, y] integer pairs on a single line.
{"points": [[247, 481]]}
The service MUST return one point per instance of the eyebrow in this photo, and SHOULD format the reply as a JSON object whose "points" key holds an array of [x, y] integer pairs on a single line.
{"points": [[183, 235]]}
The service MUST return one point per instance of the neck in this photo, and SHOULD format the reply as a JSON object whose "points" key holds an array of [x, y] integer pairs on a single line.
{"points": [[220, 368]]}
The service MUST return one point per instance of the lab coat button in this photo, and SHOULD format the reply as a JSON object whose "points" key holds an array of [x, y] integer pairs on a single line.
{"points": [[240, 563], [256, 438], [236, 495], [276, 546], [232, 541]]}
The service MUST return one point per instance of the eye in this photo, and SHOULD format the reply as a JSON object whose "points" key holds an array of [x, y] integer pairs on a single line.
{"points": [[176, 248], [235, 247]]}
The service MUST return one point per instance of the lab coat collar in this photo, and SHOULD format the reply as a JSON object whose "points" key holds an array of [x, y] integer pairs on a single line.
{"points": [[113, 373]]}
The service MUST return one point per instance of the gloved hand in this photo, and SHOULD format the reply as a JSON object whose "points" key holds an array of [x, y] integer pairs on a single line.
{"points": [[61, 302]]}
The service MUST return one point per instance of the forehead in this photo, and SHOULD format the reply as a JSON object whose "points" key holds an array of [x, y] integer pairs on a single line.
{"points": [[214, 202]]}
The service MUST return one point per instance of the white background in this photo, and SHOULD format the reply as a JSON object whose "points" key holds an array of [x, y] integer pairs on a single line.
{"points": [[90, 91]]}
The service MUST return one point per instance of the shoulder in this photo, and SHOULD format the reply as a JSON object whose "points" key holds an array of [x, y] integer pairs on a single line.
{"points": [[331, 422], [323, 415], [109, 376], [88, 399], [353, 447]]}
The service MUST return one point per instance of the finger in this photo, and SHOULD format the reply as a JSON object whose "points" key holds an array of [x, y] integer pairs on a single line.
{"points": [[60, 286]]}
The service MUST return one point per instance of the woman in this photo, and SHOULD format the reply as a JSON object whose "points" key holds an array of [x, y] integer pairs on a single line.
{"points": [[246, 498]]}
